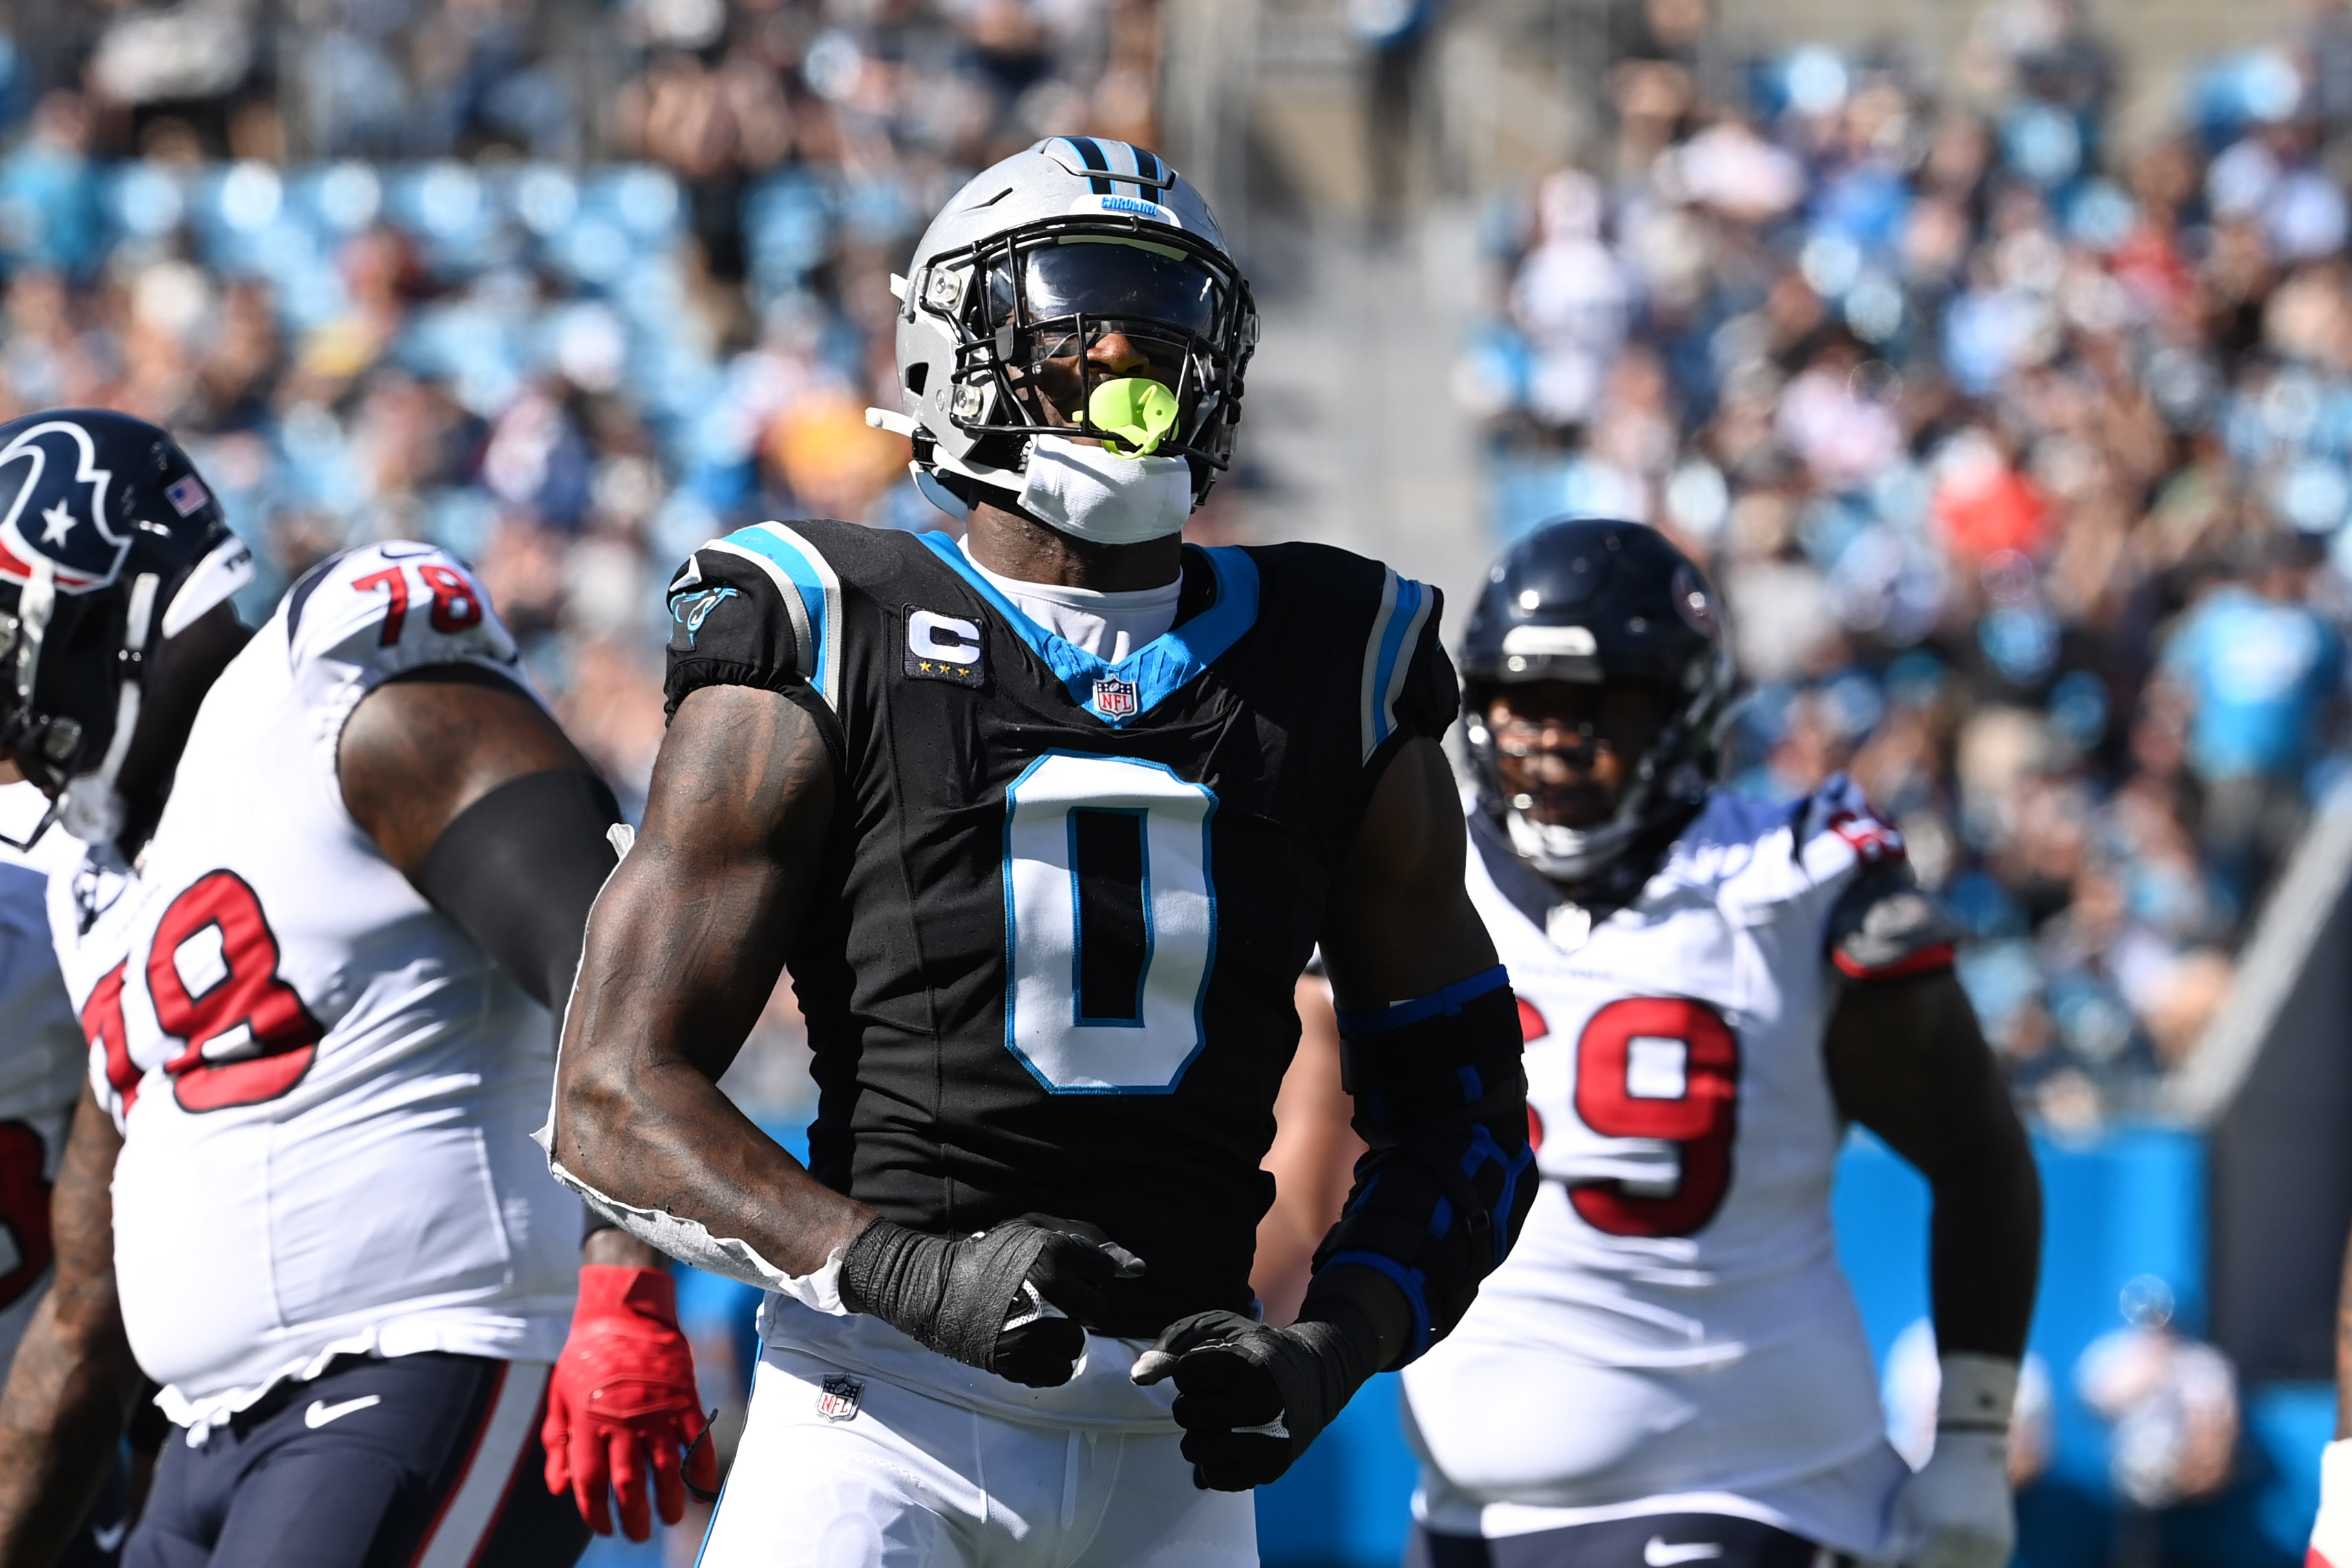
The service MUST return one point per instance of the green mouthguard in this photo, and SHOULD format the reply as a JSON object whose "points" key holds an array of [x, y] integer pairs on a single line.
{"points": [[1139, 411]]}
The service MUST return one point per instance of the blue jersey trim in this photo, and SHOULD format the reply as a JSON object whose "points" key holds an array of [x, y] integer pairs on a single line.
{"points": [[1407, 604], [1158, 669], [819, 593], [1451, 999]]}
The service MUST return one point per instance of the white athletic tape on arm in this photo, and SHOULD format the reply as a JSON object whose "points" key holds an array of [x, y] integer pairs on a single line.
{"points": [[690, 1242]]}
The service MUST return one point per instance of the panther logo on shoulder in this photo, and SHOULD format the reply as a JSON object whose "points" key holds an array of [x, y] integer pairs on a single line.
{"points": [[689, 611]]}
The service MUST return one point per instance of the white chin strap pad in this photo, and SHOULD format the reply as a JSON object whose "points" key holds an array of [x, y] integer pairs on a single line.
{"points": [[1092, 493]]}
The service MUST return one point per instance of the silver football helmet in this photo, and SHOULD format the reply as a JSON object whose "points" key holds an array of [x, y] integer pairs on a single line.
{"points": [[1035, 260]]}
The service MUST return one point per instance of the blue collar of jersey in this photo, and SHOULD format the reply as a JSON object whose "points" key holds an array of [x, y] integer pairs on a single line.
{"points": [[1155, 671]]}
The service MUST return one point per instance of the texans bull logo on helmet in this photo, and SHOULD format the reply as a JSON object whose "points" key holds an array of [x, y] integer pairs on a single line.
{"points": [[110, 543], [57, 459]]}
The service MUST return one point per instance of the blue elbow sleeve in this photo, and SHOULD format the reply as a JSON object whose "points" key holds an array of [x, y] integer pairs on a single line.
{"points": [[1449, 1177]]}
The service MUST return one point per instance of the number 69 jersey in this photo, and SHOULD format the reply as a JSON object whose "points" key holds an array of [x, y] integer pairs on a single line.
{"points": [[325, 1089], [1672, 1320]]}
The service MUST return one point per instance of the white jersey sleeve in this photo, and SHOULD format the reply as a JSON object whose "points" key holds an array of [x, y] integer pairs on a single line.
{"points": [[1847, 892], [358, 619]]}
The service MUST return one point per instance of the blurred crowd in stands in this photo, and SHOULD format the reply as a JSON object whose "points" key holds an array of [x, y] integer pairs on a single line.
{"points": [[359, 265], [2021, 451], [564, 285]]}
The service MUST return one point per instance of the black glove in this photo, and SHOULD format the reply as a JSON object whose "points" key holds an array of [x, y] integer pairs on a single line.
{"points": [[1015, 1300], [1251, 1398]]}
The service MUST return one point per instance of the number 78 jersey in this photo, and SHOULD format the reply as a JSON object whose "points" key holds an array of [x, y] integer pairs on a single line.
{"points": [[325, 1087], [1687, 1135]]}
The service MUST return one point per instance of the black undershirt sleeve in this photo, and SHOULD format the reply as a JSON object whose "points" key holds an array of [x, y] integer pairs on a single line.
{"points": [[519, 869]]}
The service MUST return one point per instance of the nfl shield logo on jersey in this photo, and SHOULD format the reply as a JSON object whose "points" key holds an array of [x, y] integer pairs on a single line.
{"points": [[1115, 699], [837, 1399]]}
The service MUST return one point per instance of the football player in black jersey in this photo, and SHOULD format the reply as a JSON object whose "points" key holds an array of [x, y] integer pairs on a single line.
{"points": [[1044, 826]]}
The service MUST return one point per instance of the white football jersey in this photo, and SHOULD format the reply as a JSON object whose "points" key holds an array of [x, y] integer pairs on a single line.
{"points": [[326, 1090], [40, 1061], [1673, 1321]]}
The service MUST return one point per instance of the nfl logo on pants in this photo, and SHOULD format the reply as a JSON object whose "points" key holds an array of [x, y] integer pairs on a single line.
{"points": [[1115, 699], [838, 1398]]}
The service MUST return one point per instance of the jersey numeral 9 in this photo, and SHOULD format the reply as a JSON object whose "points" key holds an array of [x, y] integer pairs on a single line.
{"points": [[1662, 1068], [247, 1037]]}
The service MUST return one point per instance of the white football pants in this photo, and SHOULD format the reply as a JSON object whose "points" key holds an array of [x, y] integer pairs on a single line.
{"points": [[878, 1474]]}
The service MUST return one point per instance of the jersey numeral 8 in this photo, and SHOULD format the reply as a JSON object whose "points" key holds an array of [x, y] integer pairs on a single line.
{"points": [[457, 602], [247, 1038], [1661, 1067]]}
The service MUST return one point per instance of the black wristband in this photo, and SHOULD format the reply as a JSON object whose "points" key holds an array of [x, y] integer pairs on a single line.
{"points": [[1344, 1335], [519, 870]]}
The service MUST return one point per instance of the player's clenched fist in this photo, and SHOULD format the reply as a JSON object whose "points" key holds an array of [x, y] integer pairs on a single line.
{"points": [[1015, 1300], [1251, 1398], [622, 1399]]}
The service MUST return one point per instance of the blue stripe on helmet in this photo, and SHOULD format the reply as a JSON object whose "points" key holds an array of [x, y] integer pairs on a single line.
{"points": [[1090, 152]]}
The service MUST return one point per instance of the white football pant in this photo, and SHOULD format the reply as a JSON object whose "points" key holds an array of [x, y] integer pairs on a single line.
{"points": [[871, 1473]]}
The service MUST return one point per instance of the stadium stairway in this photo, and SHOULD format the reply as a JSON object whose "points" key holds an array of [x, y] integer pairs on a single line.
{"points": [[1354, 436]]}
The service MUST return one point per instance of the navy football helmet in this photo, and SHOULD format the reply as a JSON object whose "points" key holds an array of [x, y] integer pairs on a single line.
{"points": [[109, 543], [1594, 600]]}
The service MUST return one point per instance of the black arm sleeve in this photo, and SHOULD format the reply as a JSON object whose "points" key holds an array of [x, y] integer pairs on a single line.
{"points": [[519, 869], [1440, 1194]]}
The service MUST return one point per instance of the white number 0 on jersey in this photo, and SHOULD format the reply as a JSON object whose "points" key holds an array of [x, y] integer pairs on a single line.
{"points": [[1106, 846]]}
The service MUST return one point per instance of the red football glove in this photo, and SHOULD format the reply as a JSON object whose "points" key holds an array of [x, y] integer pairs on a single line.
{"points": [[625, 1385]]}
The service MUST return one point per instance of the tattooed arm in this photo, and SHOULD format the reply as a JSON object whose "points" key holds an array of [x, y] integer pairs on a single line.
{"points": [[683, 949]]}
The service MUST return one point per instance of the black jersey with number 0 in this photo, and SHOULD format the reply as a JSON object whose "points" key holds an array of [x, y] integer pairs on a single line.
{"points": [[1049, 965]]}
